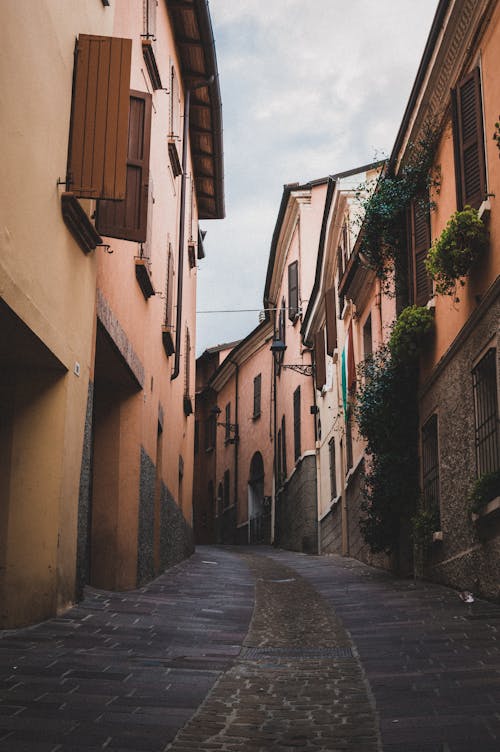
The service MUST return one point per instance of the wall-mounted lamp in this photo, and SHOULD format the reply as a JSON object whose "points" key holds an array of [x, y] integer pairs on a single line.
{"points": [[278, 350], [229, 427]]}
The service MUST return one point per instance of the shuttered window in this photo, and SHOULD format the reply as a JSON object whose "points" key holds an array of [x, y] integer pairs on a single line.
{"points": [[296, 424], [128, 219], [149, 18], [320, 359], [430, 465], [227, 424], [293, 291], [279, 458], [469, 141], [175, 105], [333, 471], [257, 384], [420, 241], [169, 302], [331, 321], [97, 152], [283, 448], [486, 418]]}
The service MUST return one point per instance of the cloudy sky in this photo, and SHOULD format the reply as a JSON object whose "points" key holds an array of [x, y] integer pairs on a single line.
{"points": [[308, 89]]}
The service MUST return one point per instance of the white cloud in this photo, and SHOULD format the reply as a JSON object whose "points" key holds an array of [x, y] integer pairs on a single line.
{"points": [[308, 89]]}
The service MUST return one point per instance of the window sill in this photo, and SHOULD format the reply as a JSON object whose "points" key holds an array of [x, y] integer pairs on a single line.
{"points": [[143, 277], [150, 60], [484, 210], [78, 223]]}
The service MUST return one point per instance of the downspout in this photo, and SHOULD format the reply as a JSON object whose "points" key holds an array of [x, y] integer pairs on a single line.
{"points": [[182, 224], [275, 458], [236, 435], [316, 451]]}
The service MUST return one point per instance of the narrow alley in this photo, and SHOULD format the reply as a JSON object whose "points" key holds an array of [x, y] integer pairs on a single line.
{"points": [[257, 649]]}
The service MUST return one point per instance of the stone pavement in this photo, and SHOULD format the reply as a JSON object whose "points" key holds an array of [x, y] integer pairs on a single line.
{"points": [[183, 665]]}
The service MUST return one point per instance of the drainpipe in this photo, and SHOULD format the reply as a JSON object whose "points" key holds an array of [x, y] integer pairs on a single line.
{"points": [[317, 451], [182, 224], [236, 435]]}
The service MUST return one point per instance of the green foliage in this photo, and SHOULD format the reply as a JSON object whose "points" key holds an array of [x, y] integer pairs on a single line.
{"points": [[424, 523], [496, 135], [409, 330], [384, 205], [387, 415], [485, 488], [462, 242]]}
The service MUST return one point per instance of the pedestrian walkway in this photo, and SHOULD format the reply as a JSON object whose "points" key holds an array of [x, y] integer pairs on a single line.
{"points": [[257, 649]]}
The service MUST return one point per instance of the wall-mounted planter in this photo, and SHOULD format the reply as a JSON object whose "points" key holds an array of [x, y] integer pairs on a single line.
{"points": [[143, 277], [173, 155], [78, 223], [490, 511]]}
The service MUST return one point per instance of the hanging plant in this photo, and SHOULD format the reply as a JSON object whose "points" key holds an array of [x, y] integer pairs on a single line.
{"points": [[452, 255], [485, 489], [384, 205], [496, 135], [424, 523], [409, 331]]}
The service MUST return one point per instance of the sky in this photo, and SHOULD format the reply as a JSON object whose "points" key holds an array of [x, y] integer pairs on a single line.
{"points": [[308, 89]]}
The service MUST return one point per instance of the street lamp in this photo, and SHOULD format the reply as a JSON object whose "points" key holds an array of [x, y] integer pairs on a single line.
{"points": [[278, 348], [229, 427]]}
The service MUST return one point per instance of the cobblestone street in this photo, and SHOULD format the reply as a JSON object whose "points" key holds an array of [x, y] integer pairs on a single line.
{"points": [[257, 649]]}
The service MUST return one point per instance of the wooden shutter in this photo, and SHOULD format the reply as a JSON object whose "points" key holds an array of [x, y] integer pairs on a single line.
{"points": [[469, 141], [128, 219], [149, 15], [175, 104], [331, 321], [293, 291], [420, 244], [97, 153], [296, 424], [283, 445], [257, 383], [169, 303], [319, 358]]}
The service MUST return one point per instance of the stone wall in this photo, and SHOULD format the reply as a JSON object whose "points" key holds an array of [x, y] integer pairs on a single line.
{"points": [[296, 509], [84, 502], [469, 556], [331, 531], [176, 535], [145, 536]]}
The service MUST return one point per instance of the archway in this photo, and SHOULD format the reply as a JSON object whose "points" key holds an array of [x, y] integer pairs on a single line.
{"points": [[257, 511]]}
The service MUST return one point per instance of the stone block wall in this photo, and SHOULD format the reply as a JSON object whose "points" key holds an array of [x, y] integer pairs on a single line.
{"points": [[84, 501], [296, 509], [331, 531]]}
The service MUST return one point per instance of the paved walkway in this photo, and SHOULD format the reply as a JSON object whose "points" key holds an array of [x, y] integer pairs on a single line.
{"points": [[183, 665]]}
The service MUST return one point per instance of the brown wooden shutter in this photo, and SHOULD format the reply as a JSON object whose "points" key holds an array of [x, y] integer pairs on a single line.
{"points": [[169, 304], [97, 152], [319, 358], [331, 321], [420, 244], [469, 141], [127, 219], [293, 291]]}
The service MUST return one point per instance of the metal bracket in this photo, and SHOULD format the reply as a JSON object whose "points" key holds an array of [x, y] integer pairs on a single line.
{"points": [[303, 369]]}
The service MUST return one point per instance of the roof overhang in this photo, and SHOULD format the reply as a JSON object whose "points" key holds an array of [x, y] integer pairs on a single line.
{"points": [[192, 28]]}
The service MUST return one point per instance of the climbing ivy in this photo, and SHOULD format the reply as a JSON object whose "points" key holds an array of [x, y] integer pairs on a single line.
{"points": [[387, 415]]}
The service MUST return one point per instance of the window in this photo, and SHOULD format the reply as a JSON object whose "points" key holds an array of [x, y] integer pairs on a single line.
{"points": [[282, 319], [227, 436], [331, 321], [348, 441], [220, 499], [97, 152], [257, 385], [333, 471], [320, 359], [468, 141], [210, 428], [175, 105], [484, 379], [149, 41], [169, 289], [293, 291], [340, 263], [430, 464], [367, 338], [128, 219], [187, 367], [227, 493], [296, 424], [283, 448], [419, 238]]}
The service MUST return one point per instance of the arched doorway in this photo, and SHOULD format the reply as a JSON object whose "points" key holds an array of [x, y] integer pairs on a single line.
{"points": [[258, 513]]}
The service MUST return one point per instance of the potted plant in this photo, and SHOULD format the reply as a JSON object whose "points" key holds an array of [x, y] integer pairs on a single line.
{"points": [[484, 497], [451, 256]]}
